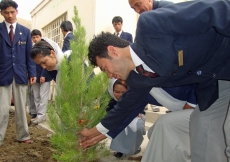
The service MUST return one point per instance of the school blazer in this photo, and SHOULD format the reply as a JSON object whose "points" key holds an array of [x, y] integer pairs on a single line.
{"points": [[40, 72], [15, 60], [126, 36], [66, 43]]}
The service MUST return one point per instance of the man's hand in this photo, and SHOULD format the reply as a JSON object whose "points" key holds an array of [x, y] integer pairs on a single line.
{"points": [[42, 79], [89, 133], [33, 80], [90, 137], [86, 142]]}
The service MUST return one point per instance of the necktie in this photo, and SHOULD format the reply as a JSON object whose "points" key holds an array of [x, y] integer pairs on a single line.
{"points": [[11, 34], [142, 71], [117, 34]]}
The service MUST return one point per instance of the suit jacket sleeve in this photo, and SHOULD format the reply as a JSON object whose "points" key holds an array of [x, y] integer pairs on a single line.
{"points": [[198, 17], [126, 104], [31, 66], [131, 39], [66, 45], [45, 73], [133, 114]]}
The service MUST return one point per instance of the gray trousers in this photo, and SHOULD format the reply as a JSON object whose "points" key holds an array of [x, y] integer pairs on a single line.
{"points": [[30, 100], [169, 138], [41, 97], [19, 93], [129, 144], [209, 134]]}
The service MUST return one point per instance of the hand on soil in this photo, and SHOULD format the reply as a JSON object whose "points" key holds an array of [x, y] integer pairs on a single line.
{"points": [[87, 142]]}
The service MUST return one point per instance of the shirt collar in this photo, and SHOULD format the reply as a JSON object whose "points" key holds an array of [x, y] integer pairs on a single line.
{"points": [[136, 60], [8, 25], [119, 33], [67, 34]]}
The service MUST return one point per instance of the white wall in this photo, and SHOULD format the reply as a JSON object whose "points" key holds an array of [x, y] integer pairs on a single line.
{"points": [[107, 9]]}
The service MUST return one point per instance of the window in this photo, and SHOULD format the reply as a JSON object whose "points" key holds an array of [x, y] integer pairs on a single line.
{"points": [[53, 31]]}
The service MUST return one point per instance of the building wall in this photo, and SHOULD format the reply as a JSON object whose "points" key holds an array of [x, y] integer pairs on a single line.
{"points": [[107, 9], [96, 15], [24, 22]]}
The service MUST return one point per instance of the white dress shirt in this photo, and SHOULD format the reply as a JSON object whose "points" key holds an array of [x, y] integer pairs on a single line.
{"points": [[8, 26], [119, 33]]}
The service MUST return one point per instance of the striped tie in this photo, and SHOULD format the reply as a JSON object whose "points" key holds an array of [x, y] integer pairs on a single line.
{"points": [[11, 34], [142, 71]]}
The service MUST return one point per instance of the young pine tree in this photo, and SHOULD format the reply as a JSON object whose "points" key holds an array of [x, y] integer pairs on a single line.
{"points": [[80, 102]]}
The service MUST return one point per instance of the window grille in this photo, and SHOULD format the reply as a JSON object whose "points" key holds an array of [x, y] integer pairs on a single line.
{"points": [[53, 31]]}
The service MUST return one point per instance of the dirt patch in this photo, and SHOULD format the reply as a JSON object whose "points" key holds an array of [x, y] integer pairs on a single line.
{"points": [[138, 158], [13, 151]]}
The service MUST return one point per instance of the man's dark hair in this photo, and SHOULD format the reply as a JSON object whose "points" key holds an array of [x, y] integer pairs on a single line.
{"points": [[98, 46], [4, 4], [117, 19], [66, 26], [36, 32], [41, 48]]}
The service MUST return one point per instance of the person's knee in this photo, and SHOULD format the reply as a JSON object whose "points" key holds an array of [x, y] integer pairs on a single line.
{"points": [[167, 119]]}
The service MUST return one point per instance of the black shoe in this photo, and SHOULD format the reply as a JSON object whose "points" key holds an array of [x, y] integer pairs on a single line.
{"points": [[33, 116], [118, 154]]}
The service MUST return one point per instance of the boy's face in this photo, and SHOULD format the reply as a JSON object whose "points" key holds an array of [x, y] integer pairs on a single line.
{"points": [[46, 62], [117, 26], [36, 38], [10, 14]]}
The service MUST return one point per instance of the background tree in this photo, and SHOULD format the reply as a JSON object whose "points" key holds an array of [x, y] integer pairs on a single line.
{"points": [[80, 102]]}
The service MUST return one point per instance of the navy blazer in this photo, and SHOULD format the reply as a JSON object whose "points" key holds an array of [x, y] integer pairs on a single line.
{"points": [[163, 36], [183, 93], [159, 4], [126, 36], [66, 43], [45, 73], [15, 60]]}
